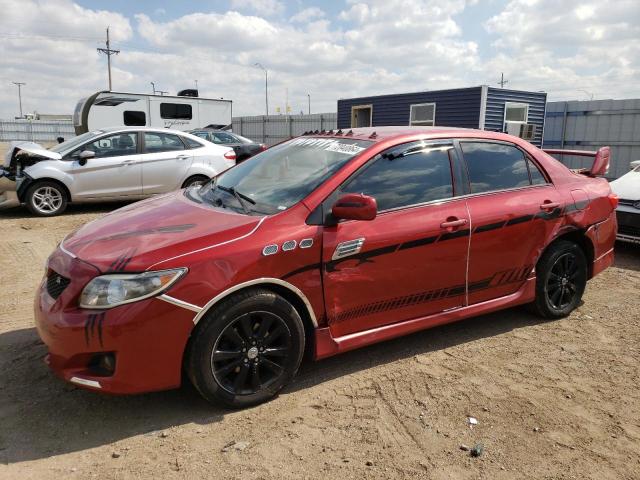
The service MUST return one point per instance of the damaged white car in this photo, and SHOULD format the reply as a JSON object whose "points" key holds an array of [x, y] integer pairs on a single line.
{"points": [[627, 187], [109, 164]]}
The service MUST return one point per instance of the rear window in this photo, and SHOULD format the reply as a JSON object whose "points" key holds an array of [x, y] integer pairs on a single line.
{"points": [[494, 166]]}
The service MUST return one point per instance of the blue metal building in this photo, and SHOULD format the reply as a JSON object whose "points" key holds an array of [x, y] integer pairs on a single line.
{"points": [[517, 112]]}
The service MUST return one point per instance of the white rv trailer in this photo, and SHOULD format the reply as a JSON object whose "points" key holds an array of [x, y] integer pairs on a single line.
{"points": [[111, 109]]}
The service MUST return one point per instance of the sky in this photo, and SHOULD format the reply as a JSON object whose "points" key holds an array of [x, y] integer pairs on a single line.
{"points": [[572, 49]]}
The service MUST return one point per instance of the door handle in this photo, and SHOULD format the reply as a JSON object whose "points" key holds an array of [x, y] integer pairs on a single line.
{"points": [[183, 157], [454, 223], [128, 162], [549, 205]]}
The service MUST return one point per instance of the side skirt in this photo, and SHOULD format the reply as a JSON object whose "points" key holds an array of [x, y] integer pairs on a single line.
{"points": [[326, 345]]}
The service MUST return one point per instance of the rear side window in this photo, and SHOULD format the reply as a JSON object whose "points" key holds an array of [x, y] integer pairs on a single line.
{"points": [[223, 138], [416, 176], [161, 142], [134, 119], [191, 143], [494, 166], [177, 111], [537, 178]]}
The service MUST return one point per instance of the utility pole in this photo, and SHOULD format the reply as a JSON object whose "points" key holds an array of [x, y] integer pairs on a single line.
{"points": [[309, 100], [108, 52], [19, 84], [196, 84], [502, 81], [266, 87], [153, 86]]}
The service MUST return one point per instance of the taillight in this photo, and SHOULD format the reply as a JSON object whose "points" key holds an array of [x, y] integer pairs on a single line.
{"points": [[230, 155], [263, 147], [613, 200]]}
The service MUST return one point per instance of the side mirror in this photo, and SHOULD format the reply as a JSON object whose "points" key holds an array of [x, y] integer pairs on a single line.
{"points": [[84, 156], [355, 206]]}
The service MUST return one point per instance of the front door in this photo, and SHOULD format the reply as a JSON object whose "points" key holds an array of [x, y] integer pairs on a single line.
{"points": [[114, 172], [165, 162], [411, 260], [513, 211]]}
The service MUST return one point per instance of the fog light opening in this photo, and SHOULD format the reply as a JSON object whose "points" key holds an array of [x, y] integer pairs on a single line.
{"points": [[103, 364]]}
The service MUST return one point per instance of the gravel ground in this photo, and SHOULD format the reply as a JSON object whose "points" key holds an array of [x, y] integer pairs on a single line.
{"points": [[553, 400]]}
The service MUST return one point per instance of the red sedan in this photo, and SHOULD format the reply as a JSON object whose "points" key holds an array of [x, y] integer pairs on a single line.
{"points": [[325, 243]]}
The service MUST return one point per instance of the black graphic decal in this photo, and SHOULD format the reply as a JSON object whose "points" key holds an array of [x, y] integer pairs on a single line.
{"points": [[516, 275], [94, 322]]}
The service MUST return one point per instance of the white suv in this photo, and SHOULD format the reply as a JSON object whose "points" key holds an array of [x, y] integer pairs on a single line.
{"points": [[123, 163]]}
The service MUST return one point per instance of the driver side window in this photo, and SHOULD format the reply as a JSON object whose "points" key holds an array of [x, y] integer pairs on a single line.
{"points": [[414, 175], [116, 145]]}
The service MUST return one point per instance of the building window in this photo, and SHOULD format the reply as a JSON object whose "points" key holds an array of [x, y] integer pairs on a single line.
{"points": [[134, 119], [176, 111], [423, 114], [516, 112]]}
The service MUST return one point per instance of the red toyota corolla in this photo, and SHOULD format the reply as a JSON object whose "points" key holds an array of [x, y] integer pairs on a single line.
{"points": [[325, 243]]}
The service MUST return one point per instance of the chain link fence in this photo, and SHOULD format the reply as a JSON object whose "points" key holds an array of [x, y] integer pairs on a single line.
{"points": [[273, 129], [35, 130]]}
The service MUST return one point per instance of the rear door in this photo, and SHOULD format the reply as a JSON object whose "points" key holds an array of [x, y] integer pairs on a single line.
{"points": [[411, 260], [514, 209], [165, 162], [114, 172]]}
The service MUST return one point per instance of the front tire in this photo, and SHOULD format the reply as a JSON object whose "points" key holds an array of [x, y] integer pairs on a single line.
{"points": [[561, 280], [46, 199], [195, 180], [247, 349]]}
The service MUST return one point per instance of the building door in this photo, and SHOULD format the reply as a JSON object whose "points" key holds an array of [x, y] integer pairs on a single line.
{"points": [[361, 116]]}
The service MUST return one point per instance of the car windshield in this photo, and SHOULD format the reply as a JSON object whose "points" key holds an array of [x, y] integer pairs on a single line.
{"points": [[74, 142], [281, 176]]}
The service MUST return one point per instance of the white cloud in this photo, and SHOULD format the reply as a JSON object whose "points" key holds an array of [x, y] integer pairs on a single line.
{"points": [[308, 14], [382, 46], [260, 7]]}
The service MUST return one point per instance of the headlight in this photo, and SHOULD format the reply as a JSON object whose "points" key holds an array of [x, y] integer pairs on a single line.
{"points": [[108, 291]]}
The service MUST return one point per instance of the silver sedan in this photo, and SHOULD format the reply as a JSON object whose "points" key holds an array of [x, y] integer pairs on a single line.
{"points": [[109, 164]]}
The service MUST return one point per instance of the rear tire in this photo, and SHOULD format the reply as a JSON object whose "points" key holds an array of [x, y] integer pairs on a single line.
{"points": [[246, 349], [46, 198], [195, 180], [561, 278]]}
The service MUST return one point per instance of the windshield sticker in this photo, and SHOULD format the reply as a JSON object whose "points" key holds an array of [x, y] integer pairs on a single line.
{"points": [[344, 148], [330, 145]]}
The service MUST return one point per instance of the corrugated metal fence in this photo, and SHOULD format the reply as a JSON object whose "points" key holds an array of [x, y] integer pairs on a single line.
{"points": [[592, 124], [35, 130], [276, 128]]}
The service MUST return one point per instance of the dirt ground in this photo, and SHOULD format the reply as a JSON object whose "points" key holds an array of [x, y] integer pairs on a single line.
{"points": [[553, 400]]}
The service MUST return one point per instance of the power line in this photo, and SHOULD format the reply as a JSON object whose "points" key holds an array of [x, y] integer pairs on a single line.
{"points": [[108, 52]]}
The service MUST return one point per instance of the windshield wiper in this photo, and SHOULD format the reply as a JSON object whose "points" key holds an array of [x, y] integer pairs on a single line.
{"points": [[239, 196]]}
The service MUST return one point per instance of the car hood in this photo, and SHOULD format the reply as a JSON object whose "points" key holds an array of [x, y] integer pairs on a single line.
{"points": [[29, 147], [136, 237], [627, 186]]}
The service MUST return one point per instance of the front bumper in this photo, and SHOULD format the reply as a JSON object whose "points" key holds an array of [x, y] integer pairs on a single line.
{"points": [[628, 224], [147, 338]]}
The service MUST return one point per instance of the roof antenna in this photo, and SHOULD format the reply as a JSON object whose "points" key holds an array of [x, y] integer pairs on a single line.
{"points": [[350, 132], [373, 135], [339, 132]]}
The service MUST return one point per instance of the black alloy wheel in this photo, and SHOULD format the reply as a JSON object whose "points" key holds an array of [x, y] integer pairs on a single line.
{"points": [[561, 278], [246, 348], [562, 281], [251, 353]]}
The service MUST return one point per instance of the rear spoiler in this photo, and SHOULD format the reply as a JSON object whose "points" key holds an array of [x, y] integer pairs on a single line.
{"points": [[600, 162]]}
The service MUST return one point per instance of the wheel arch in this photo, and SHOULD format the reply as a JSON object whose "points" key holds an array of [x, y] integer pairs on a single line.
{"points": [[289, 292], [579, 237], [195, 175], [25, 186]]}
